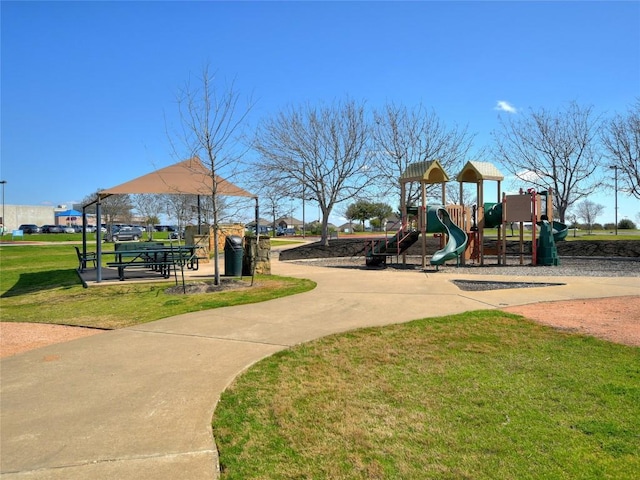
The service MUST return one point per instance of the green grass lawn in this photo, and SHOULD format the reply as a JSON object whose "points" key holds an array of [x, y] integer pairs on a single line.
{"points": [[70, 237], [579, 235], [39, 283], [278, 243], [622, 235], [482, 395]]}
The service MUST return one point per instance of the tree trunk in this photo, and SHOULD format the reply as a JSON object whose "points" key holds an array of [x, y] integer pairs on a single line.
{"points": [[324, 239], [216, 263]]}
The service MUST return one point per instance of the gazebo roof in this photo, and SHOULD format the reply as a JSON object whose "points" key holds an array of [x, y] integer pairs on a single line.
{"points": [[187, 177], [473, 172], [424, 172], [68, 213]]}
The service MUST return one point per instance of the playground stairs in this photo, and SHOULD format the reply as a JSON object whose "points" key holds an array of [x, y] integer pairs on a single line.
{"points": [[378, 250]]}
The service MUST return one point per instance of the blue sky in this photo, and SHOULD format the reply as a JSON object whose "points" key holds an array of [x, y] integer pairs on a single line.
{"points": [[88, 87]]}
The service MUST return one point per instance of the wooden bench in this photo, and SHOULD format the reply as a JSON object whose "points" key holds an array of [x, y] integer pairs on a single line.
{"points": [[83, 259]]}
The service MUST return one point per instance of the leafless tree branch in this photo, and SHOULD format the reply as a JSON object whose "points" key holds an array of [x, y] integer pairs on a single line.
{"points": [[317, 153], [553, 150]]}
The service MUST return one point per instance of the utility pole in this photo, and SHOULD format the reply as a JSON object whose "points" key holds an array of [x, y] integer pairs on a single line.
{"points": [[4, 219]]}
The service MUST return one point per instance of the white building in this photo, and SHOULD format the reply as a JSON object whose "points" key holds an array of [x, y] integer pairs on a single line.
{"points": [[17, 215]]}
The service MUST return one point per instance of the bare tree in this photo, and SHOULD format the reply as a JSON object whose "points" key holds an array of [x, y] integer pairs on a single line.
{"points": [[556, 150], [271, 198], [212, 120], [402, 136], [182, 208], [114, 208], [589, 211], [453, 194], [621, 139], [316, 153], [149, 206]]}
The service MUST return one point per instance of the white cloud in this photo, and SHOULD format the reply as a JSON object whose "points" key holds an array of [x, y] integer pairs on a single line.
{"points": [[504, 106], [531, 176]]}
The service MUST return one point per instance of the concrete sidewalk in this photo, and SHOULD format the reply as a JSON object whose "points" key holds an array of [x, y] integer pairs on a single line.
{"points": [[137, 403]]}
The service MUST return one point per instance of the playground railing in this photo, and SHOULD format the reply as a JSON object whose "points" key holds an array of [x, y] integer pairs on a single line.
{"points": [[374, 246]]}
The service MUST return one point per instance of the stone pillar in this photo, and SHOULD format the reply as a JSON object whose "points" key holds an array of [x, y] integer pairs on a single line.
{"points": [[263, 257], [202, 242]]}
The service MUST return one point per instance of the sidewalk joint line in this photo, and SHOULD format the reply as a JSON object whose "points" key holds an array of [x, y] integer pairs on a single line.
{"points": [[210, 337], [212, 451]]}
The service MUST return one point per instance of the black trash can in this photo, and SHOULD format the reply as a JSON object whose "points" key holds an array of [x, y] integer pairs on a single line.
{"points": [[233, 256]]}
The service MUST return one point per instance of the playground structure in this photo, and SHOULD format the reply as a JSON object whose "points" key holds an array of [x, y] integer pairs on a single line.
{"points": [[530, 207], [461, 228]]}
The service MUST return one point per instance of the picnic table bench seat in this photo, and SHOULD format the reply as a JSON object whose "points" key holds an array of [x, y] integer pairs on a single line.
{"points": [[85, 258], [163, 267]]}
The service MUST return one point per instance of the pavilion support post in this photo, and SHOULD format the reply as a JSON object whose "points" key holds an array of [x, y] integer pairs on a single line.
{"points": [[404, 218], [99, 241], [84, 231]]}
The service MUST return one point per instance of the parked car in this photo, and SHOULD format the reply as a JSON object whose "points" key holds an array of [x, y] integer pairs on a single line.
{"points": [[285, 231], [68, 229], [164, 228], [29, 228], [263, 230], [50, 229], [128, 233]]}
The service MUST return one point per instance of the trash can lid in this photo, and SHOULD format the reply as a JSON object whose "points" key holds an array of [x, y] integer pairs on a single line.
{"points": [[234, 240]]}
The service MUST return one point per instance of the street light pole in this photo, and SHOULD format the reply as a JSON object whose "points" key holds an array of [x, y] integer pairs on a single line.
{"points": [[4, 219], [615, 168]]}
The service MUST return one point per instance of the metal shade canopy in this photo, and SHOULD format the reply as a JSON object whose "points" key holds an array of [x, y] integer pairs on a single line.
{"points": [[188, 177], [183, 178]]}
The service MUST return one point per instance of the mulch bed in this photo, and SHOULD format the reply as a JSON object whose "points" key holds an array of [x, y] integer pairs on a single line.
{"points": [[355, 247], [208, 287]]}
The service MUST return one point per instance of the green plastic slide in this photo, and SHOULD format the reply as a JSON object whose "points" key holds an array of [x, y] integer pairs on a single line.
{"points": [[439, 221], [493, 219], [560, 231], [492, 215]]}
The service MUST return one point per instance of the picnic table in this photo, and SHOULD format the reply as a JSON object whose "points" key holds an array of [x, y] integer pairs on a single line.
{"points": [[154, 256]]}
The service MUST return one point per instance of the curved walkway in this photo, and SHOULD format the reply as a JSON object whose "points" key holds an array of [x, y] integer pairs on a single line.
{"points": [[137, 403]]}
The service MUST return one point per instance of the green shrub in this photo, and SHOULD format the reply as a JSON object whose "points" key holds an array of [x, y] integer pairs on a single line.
{"points": [[626, 224]]}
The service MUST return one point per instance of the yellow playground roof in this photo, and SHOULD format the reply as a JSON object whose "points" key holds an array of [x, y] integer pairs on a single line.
{"points": [[424, 172], [472, 172]]}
